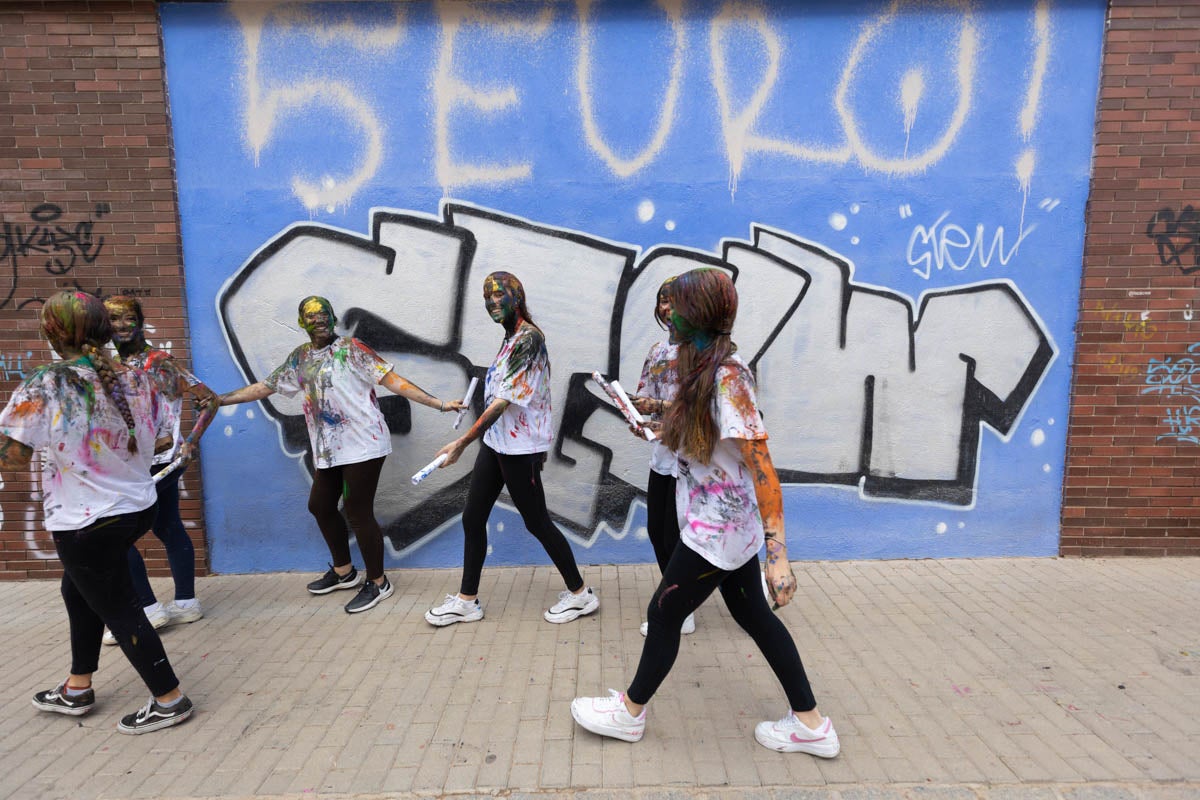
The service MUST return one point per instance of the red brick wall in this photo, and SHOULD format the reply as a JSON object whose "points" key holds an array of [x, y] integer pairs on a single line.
{"points": [[86, 170], [1132, 484]]}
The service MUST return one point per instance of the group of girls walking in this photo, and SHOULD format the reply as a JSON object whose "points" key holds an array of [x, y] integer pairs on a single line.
{"points": [[713, 497]]}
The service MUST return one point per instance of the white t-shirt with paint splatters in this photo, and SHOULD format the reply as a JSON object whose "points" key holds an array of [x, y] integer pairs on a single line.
{"points": [[520, 374], [660, 380], [88, 472], [345, 425], [716, 503], [168, 373]]}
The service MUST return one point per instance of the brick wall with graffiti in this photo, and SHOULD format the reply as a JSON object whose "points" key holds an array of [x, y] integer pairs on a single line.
{"points": [[898, 188], [1134, 447], [87, 202]]}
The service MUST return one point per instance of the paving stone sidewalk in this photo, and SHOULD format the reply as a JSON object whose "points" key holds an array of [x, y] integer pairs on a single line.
{"points": [[991, 679]]}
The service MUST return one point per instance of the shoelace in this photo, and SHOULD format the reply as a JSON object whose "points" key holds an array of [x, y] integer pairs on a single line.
{"points": [[145, 710]]}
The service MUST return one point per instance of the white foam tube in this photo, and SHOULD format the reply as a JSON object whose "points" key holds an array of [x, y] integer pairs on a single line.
{"points": [[466, 401], [428, 469]]}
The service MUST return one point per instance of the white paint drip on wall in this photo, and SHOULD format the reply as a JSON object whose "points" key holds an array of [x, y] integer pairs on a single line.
{"points": [[449, 92], [1033, 95], [966, 52], [1037, 438], [624, 167], [837, 221], [645, 211], [912, 86]]}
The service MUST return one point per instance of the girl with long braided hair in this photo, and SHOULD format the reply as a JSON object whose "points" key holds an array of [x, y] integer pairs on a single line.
{"points": [[97, 425], [729, 503]]}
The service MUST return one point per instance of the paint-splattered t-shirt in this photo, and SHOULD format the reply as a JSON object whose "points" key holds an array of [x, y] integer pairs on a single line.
{"points": [[521, 375], [88, 472], [660, 380], [345, 425], [717, 506], [170, 377]]}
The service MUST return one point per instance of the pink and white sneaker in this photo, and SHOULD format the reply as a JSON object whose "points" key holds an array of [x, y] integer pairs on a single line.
{"points": [[608, 716], [790, 735]]}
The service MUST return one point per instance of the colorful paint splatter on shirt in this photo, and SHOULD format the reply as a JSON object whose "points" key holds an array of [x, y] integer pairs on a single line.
{"points": [[716, 502], [87, 471], [345, 425], [660, 380], [171, 378], [520, 374]]}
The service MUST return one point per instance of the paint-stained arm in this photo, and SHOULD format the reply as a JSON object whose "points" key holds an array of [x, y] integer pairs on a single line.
{"points": [[14, 456], [207, 403], [780, 579], [247, 394], [410, 391], [489, 416]]}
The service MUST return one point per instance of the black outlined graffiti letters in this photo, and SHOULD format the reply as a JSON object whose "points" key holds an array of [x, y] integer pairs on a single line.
{"points": [[860, 385], [1177, 235]]}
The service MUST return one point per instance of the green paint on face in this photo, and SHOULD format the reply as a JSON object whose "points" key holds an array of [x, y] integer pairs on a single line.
{"points": [[688, 333]]}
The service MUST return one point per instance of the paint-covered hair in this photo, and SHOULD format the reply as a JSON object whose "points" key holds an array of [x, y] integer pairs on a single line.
{"points": [[513, 285], [706, 300], [663, 291], [120, 303], [313, 298], [79, 321]]}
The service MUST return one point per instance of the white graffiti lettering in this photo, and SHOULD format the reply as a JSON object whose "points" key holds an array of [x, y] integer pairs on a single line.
{"points": [[949, 245]]}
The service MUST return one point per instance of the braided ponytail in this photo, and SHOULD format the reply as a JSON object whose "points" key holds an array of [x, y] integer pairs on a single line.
{"points": [[107, 370], [79, 322]]}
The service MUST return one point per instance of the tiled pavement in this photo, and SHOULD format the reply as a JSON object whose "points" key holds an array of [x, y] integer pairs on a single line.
{"points": [[993, 679]]}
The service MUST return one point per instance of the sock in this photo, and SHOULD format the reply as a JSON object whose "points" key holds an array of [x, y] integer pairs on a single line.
{"points": [[191, 602], [170, 704], [71, 691]]}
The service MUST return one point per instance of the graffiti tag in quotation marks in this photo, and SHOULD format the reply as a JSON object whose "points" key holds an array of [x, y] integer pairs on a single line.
{"points": [[1177, 236], [1177, 378], [1137, 323], [60, 247]]}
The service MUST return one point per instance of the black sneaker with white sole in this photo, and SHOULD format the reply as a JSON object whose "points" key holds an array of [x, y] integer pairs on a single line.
{"points": [[154, 716], [331, 581], [369, 596], [58, 701]]}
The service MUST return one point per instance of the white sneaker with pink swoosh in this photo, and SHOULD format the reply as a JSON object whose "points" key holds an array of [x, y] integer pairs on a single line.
{"points": [[790, 735], [608, 716]]}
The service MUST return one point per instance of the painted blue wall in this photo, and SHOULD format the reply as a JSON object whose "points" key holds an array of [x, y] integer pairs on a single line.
{"points": [[857, 165]]}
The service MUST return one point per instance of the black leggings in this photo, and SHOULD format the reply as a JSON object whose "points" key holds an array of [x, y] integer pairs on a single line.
{"points": [[98, 591], [662, 521], [688, 580], [522, 476], [354, 485]]}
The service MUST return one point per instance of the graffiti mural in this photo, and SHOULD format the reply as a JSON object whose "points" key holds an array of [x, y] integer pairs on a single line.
{"points": [[48, 241], [1177, 236], [896, 188]]}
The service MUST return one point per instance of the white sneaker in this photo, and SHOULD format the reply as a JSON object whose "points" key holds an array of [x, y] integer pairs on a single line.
{"points": [[572, 606], [689, 625], [159, 616], [790, 735], [608, 716], [189, 612], [453, 610]]}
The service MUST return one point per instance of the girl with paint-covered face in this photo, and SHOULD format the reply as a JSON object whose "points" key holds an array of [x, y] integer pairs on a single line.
{"points": [[97, 425], [655, 391], [517, 432], [730, 505], [175, 382], [337, 376]]}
